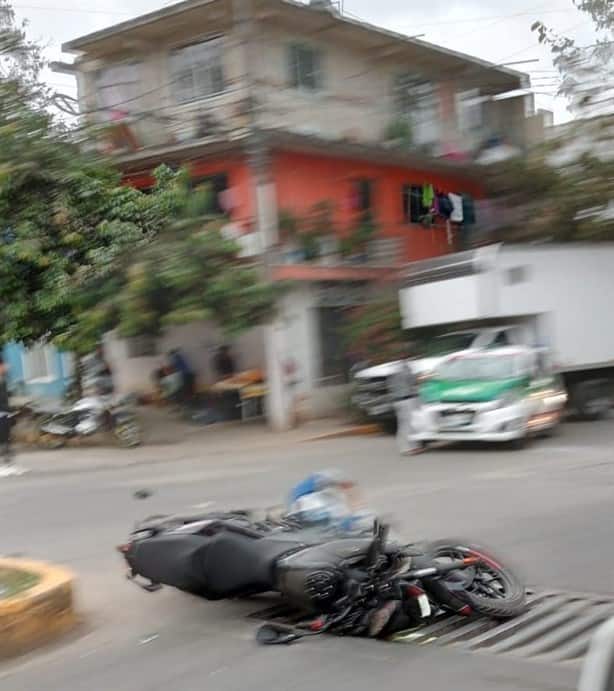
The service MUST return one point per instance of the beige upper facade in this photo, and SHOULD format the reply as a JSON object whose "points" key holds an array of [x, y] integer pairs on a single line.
{"points": [[210, 68]]}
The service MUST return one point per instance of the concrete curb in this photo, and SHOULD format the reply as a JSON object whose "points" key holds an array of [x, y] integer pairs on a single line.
{"points": [[40, 614], [353, 431]]}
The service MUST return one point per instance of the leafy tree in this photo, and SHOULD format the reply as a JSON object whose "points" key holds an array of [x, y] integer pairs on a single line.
{"points": [[373, 332], [564, 189], [80, 253]]}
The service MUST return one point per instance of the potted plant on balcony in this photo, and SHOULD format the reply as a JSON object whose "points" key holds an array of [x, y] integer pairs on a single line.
{"points": [[322, 227], [289, 235], [398, 133], [360, 237]]}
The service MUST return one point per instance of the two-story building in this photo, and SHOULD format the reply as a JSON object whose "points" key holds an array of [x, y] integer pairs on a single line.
{"points": [[328, 142]]}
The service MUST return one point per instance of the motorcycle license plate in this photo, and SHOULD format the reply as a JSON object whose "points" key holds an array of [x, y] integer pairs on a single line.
{"points": [[455, 421]]}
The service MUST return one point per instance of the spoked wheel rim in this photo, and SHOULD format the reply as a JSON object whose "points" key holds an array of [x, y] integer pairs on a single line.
{"points": [[484, 580]]}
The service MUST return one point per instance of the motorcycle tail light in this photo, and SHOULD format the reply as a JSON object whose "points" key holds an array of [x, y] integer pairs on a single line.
{"points": [[414, 590]]}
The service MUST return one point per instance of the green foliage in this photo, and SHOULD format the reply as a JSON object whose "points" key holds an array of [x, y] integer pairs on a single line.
{"points": [[400, 131], [320, 221], [374, 331], [364, 232], [80, 253], [289, 224], [563, 190]]}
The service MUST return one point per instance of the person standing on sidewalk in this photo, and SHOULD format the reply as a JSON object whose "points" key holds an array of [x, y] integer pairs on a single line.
{"points": [[5, 427], [405, 393], [6, 451]]}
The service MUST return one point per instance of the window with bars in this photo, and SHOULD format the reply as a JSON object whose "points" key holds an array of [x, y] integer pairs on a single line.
{"points": [[197, 71], [216, 186], [363, 195], [470, 110], [413, 210], [416, 100], [118, 89], [304, 67], [38, 363]]}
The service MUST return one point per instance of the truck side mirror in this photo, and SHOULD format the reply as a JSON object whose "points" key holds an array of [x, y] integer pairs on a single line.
{"points": [[598, 669]]}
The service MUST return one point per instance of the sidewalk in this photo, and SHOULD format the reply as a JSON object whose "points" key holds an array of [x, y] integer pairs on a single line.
{"points": [[167, 439]]}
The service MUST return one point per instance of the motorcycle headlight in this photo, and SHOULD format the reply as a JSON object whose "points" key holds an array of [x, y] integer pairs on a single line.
{"points": [[508, 398]]}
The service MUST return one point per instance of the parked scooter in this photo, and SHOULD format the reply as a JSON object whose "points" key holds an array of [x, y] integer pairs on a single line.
{"points": [[90, 415]]}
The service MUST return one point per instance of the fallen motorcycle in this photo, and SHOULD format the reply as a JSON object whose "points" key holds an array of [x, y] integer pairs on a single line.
{"points": [[357, 584]]}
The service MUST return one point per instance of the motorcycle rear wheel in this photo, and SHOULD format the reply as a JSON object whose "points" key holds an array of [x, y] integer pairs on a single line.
{"points": [[492, 589]]}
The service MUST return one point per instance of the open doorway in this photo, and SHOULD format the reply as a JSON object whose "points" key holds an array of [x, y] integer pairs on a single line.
{"points": [[334, 362]]}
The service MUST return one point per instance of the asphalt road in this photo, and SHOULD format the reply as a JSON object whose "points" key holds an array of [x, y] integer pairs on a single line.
{"points": [[547, 509]]}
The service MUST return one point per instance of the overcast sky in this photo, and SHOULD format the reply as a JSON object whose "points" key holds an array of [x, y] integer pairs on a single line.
{"points": [[496, 30]]}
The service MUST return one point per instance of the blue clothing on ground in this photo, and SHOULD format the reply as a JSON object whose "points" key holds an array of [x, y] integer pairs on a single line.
{"points": [[312, 483]]}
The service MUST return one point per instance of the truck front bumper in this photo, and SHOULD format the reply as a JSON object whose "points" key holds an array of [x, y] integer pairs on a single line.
{"points": [[377, 407], [480, 422]]}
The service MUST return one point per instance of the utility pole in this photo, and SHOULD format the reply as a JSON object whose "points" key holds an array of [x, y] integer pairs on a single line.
{"points": [[279, 403]]}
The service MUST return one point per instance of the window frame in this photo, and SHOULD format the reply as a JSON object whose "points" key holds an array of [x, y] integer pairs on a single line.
{"points": [[406, 197], [359, 185], [30, 373], [125, 104], [210, 179], [295, 81], [426, 115], [470, 115], [174, 76]]}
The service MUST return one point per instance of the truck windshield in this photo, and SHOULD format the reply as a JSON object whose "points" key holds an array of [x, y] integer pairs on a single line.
{"points": [[476, 367], [445, 345]]}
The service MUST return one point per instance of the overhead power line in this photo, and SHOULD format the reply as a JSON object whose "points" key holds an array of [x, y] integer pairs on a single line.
{"points": [[483, 18], [76, 10]]}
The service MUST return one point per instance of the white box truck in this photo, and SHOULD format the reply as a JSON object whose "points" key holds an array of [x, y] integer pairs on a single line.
{"points": [[560, 296]]}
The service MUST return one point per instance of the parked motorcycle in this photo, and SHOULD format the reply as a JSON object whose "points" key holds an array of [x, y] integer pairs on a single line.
{"points": [[357, 584], [91, 415]]}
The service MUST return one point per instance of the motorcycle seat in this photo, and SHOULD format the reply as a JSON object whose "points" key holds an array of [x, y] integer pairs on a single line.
{"points": [[172, 560], [226, 564], [237, 564]]}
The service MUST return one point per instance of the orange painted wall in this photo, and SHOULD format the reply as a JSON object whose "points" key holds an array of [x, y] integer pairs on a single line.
{"points": [[238, 180], [303, 180]]}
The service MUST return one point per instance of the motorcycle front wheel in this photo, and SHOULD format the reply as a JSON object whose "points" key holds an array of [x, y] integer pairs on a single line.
{"points": [[489, 587]]}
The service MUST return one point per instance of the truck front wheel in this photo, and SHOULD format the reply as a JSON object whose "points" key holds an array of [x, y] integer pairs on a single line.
{"points": [[592, 399]]}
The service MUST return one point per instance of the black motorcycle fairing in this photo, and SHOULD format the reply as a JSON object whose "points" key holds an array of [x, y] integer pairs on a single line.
{"points": [[224, 565], [237, 564], [173, 560], [313, 577]]}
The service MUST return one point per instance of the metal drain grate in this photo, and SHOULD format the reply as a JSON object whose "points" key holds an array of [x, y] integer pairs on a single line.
{"points": [[557, 627]]}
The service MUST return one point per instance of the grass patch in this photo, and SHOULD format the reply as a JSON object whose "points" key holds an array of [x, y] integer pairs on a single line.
{"points": [[13, 581]]}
